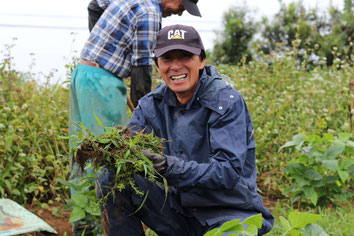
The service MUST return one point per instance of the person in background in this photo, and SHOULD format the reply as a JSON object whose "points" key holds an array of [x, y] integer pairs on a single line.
{"points": [[209, 159], [139, 86], [95, 10], [120, 45]]}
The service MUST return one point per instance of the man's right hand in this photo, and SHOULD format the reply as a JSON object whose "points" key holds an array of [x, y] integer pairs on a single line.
{"points": [[159, 161]]}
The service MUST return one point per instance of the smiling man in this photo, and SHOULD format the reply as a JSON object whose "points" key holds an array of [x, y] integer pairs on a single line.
{"points": [[209, 161], [119, 46]]}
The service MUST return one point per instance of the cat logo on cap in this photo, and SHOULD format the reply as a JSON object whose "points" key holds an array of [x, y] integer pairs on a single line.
{"points": [[176, 34]]}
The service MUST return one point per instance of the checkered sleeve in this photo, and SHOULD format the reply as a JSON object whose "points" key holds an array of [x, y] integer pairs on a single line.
{"points": [[146, 29]]}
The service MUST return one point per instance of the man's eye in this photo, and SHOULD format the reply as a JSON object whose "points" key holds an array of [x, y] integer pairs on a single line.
{"points": [[187, 55], [166, 58]]}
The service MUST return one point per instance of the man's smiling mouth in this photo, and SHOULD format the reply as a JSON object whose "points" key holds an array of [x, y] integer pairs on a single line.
{"points": [[178, 77]]}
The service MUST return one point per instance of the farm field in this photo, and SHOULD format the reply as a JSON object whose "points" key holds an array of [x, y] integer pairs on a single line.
{"points": [[303, 123]]}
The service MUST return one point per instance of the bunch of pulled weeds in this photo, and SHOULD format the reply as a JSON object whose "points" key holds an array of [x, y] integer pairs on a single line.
{"points": [[120, 151]]}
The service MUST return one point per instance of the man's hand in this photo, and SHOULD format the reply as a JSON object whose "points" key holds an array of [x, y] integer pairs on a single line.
{"points": [[159, 161]]}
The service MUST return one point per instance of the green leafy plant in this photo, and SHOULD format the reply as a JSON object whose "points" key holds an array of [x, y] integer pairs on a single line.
{"points": [[32, 115], [301, 223], [322, 170], [235, 227], [84, 205], [117, 150]]}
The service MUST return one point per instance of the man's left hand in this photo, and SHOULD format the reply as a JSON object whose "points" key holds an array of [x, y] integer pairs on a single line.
{"points": [[159, 161]]}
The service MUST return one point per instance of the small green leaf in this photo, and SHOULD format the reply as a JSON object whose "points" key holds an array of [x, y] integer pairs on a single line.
{"points": [[251, 230], [16, 192], [115, 143], [141, 205], [254, 220], [77, 214], [93, 209], [80, 200], [232, 226], [314, 230], [350, 143], [65, 182], [312, 174], [288, 144], [311, 194], [330, 164], [344, 175], [345, 164], [298, 140], [344, 136], [294, 232], [127, 154], [334, 151], [284, 223], [104, 141], [301, 181], [328, 137], [296, 168], [301, 219], [98, 120]]}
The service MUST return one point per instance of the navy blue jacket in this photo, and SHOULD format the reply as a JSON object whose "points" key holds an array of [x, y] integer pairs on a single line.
{"points": [[211, 149]]}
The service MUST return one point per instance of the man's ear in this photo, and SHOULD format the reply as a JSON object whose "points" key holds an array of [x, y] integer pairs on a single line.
{"points": [[157, 68], [202, 64]]}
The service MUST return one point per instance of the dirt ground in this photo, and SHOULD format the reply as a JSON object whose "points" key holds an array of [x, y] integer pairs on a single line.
{"points": [[59, 223], [63, 227]]}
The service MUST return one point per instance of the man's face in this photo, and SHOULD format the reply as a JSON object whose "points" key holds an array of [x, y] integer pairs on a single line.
{"points": [[172, 7], [180, 71]]}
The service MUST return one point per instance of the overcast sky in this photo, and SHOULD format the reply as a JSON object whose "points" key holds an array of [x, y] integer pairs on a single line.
{"points": [[52, 32]]}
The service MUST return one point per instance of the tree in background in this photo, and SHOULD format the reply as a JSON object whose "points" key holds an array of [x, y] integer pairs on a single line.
{"points": [[319, 38], [290, 23], [232, 44], [338, 39]]}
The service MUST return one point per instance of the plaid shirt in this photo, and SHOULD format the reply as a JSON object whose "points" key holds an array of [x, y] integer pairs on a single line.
{"points": [[124, 36]]}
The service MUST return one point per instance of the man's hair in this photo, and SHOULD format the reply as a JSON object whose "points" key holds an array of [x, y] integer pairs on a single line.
{"points": [[202, 56]]}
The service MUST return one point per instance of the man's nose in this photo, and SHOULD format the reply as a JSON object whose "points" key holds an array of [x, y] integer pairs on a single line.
{"points": [[176, 64]]}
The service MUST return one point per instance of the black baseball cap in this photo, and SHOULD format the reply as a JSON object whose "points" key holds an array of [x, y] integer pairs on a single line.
{"points": [[178, 37], [191, 7]]}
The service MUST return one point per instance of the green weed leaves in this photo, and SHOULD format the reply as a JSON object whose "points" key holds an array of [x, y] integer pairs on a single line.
{"points": [[31, 155], [322, 171], [302, 223], [249, 227], [118, 150]]}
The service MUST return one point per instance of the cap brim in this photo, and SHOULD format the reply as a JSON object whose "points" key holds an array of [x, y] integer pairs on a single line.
{"points": [[192, 8], [159, 52]]}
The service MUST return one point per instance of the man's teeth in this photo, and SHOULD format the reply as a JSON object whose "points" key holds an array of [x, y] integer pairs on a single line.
{"points": [[178, 77]]}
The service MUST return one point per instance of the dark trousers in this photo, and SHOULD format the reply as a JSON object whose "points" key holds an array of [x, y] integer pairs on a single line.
{"points": [[157, 212]]}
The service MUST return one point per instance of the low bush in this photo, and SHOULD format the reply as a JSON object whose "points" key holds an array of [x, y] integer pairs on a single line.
{"points": [[32, 156]]}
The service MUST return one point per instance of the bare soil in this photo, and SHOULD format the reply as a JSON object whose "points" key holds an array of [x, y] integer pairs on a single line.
{"points": [[58, 222]]}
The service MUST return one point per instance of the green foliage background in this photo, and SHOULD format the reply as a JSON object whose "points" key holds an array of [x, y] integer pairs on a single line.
{"points": [[324, 36], [285, 96], [283, 99], [32, 116]]}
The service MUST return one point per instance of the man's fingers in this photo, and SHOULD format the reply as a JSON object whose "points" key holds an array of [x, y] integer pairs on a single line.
{"points": [[147, 153]]}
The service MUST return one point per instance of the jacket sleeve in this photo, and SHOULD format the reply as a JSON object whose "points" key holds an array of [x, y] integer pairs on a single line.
{"points": [[232, 154]]}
